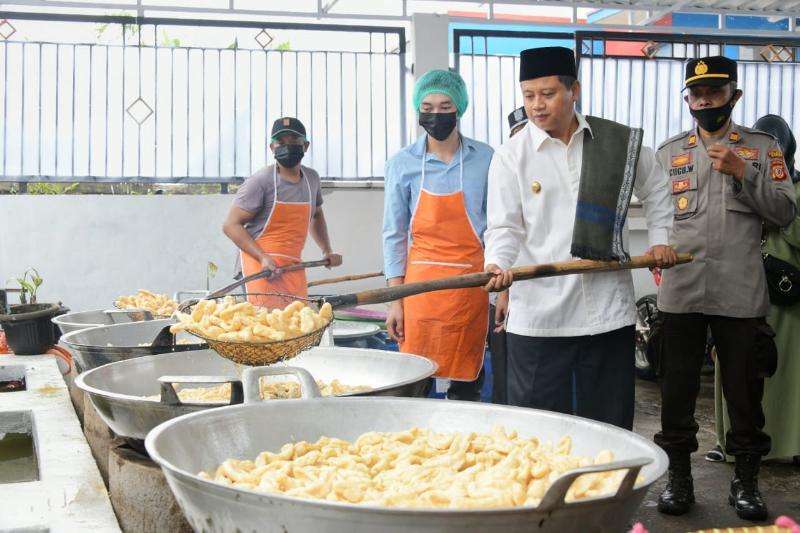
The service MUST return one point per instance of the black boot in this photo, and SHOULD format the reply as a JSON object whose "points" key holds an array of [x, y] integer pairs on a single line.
{"points": [[678, 495], [745, 496]]}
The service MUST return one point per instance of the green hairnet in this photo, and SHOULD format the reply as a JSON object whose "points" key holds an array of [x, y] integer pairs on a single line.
{"points": [[444, 82]]}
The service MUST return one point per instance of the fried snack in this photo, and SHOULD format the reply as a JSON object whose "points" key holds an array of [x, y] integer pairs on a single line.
{"points": [[419, 468], [157, 304], [270, 390], [232, 321]]}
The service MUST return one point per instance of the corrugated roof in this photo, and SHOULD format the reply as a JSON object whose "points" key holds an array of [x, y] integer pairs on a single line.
{"points": [[741, 7]]}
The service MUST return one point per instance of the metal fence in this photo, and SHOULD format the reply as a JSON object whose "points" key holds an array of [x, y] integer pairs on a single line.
{"points": [[638, 91], [492, 79], [96, 112], [646, 93]]}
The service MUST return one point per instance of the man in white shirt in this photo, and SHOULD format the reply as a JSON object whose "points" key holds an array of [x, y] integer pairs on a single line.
{"points": [[570, 333]]}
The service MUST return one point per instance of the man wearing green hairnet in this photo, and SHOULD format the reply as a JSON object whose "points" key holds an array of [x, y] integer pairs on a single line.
{"points": [[434, 219]]}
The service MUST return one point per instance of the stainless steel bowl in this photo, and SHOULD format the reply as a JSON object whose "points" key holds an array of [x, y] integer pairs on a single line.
{"points": [[119, 390], [92, 319], [349, 330], [198, 442], [101, 345]]}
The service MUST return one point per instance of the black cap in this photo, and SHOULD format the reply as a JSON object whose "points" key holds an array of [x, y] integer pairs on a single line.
{"points": [[517, 118], [715, 71], [287, 125], [547, 61]]}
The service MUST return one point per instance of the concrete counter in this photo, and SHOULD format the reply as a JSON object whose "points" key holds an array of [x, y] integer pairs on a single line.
{"points": [[69, 495]]}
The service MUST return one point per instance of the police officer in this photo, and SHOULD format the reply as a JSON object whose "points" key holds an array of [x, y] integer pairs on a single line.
{"points": [[725, 181]]}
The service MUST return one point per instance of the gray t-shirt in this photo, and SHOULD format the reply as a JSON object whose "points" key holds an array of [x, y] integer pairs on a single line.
{"points": [[257, 193]]}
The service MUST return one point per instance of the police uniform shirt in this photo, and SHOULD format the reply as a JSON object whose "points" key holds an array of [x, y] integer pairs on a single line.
{"points": [[718, 219]]}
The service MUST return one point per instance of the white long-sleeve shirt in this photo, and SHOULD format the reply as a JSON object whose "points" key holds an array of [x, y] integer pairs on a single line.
{"points": [[527, 228]]}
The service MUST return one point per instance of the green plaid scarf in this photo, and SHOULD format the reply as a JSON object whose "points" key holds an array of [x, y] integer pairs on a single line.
{"points": [[608, 170]]}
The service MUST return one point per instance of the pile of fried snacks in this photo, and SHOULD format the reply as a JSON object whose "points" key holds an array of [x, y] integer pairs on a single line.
{"points": [[419, 468], [229, 320], [157, 304]]}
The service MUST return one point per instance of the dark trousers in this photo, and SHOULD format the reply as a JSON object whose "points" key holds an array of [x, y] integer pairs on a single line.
{"points": [[468, 391], [741, 343], [497, 347], [544, 371]]}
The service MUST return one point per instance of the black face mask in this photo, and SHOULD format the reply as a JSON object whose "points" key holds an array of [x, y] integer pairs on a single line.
{"points": [[289, 155], [438, 125], [712, 119]]}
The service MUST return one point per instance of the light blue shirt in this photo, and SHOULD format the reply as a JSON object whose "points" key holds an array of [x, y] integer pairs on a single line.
{"points": [[403, 180]]}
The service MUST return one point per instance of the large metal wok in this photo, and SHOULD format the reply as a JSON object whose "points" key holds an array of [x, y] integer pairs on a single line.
{"points": [[98, 346], [118, 390], [92, 319], [201, 441]]}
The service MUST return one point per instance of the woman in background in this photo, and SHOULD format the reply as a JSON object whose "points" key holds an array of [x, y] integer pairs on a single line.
{"points": [[781, 401]]}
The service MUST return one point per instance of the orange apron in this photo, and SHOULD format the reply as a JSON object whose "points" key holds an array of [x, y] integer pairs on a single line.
{"points": [[283, 238], [448, 326]]}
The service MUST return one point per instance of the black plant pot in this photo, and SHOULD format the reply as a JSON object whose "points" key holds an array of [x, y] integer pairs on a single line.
{"points": [[28, 327]]}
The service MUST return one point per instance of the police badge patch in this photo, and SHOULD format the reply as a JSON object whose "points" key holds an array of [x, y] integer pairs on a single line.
{"points": [[746, 153], [681, 159], [680, 185], [778, 172]]}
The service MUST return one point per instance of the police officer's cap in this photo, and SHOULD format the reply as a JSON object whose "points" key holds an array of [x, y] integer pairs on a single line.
{"points": [[517, 118], [715, 71]]}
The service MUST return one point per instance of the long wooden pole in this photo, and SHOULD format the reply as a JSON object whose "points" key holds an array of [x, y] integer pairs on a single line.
{"points": [[546, 270], [340, 279]]}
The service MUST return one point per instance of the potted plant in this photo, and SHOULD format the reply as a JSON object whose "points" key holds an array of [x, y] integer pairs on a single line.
{"points": [[211, 273], [27, 325]]}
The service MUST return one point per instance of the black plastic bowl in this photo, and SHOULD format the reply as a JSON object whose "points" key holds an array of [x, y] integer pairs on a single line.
{"points": [[28, 327]]}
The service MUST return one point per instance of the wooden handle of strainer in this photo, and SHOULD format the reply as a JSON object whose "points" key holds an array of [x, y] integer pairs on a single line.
{"points": [[479, 279]]}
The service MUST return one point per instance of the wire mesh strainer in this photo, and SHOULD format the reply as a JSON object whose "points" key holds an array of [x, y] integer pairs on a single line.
{"points": [[268, 352]]}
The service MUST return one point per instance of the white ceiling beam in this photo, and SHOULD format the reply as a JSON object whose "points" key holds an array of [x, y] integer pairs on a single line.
{"points": [[166, 10], [789, 8]]}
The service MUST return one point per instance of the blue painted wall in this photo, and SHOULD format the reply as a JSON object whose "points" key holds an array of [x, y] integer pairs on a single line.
{"points": [[509, 46], [513, 46]]}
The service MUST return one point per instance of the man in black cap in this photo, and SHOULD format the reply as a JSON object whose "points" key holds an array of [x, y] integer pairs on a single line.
{"points": [[564, 167], [274, 211], [726, 181]]}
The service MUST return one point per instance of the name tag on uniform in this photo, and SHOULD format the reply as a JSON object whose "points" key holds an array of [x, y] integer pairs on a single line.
{"points": [[681, 160], [681, 170], [746, 152]]}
